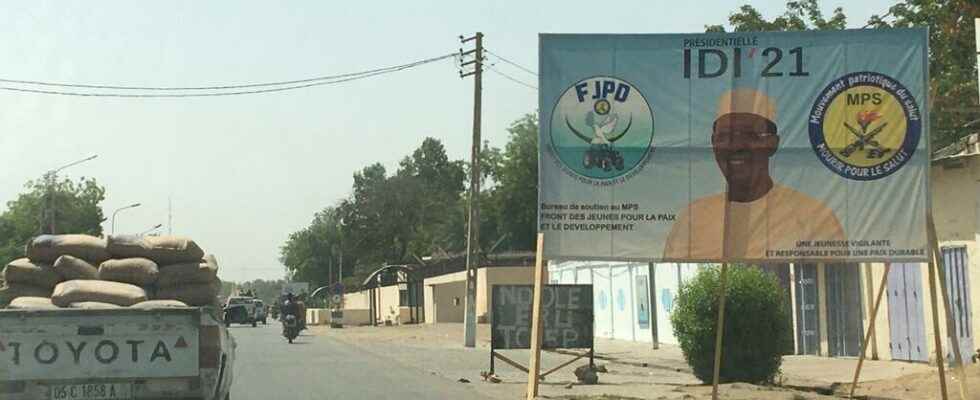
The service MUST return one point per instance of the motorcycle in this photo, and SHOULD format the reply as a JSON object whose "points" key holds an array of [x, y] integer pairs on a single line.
{"points": [[290, 327]]}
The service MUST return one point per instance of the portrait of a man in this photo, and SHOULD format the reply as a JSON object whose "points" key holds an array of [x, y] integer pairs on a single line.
{"points": [[760, 214]]}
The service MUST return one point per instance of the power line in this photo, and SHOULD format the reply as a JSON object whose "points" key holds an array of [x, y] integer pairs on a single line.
{"points": [[222, 87], [319, 81], [512, 79], [513, 63]]}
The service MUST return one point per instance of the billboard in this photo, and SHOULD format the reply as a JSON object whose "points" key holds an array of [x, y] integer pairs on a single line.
{"points": [[779, 146]]}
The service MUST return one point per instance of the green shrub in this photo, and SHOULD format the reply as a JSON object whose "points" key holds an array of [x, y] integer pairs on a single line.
{"points": [[757, 325]]}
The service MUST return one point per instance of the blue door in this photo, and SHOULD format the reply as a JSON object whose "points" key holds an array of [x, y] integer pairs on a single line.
{"points": [[958, 290], [905, 313]]}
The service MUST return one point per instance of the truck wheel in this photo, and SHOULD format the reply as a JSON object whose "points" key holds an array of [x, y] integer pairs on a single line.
{"points": [[290, 340], [254, 323]]}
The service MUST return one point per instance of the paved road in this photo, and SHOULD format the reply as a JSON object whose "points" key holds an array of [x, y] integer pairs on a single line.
{"points": [[318, 368]]}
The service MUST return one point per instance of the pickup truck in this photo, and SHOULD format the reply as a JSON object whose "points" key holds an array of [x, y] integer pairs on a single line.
{"points": [[240, 310], [124, 354]]}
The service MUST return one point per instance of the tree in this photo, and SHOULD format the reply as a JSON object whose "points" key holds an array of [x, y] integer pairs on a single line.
{"points": [[514, 200], [954, 107], [312, 254], [752, 343], [387, 219], [432, 184], [76, 206], [799, 16]]}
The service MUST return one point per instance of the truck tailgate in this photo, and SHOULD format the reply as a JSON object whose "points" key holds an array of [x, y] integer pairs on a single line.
{"points": [[99, 344]]}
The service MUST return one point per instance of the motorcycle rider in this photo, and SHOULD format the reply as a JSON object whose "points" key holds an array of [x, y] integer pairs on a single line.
{"points": [[290, 307]]}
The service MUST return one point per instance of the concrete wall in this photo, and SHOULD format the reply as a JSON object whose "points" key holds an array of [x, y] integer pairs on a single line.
{"points": [[317, 316], [357, 317], [445, 295], [357, 300], [621, 310], [956, 209], [388, 305], [389, 308], [497, 276]]}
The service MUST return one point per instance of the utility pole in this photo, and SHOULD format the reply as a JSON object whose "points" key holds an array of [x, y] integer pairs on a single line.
{"points": [[473, 227]]}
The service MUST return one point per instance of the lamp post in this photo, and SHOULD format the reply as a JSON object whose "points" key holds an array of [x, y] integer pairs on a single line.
{"points": [[155, 227], [134, 205], [50, 178]]}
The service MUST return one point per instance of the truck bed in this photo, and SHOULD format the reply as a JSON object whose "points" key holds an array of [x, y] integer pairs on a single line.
{"points": [[78, 354]]}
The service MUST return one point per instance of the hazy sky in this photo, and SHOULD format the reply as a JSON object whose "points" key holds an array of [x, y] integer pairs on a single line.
{"points": [[245, 171]]}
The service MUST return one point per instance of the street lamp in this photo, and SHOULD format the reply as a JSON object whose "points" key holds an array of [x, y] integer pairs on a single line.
{"points": [[155, 227], [134, 205], [50, 179]]}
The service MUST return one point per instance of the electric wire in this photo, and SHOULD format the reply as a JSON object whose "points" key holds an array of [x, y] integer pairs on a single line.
{"points": [[513, 63], [226, 87], [512, 79], [319, 81]]}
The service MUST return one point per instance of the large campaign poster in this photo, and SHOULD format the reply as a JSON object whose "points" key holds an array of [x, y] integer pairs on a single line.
{"points": [[781, 146]]}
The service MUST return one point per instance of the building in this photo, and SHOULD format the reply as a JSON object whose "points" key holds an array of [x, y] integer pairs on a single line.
{"points": [[831, 303], [433, 292]]}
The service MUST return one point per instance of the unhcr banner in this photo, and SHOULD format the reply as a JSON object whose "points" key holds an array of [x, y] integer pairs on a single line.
{"points": [[734, 147]]}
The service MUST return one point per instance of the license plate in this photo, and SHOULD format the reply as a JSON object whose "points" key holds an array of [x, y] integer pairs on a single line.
{"points": [[92, 391]]}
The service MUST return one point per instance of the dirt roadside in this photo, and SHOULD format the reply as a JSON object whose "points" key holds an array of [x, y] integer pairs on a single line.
{"points": [[437, 350]]}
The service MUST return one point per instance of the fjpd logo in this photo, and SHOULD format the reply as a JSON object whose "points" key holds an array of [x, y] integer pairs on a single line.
{"points": [[865, 126], [601, 129]]}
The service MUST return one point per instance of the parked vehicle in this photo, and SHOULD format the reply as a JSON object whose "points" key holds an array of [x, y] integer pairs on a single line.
{"points": [[261, 311], [240, 310], [124, 353]]}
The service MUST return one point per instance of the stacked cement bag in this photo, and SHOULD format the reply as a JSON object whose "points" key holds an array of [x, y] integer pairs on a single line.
{"points": [[194, 283], [163, 250], [32, 303], [71, 267], [47, 248], [24, 278], [86, 291], [135, 271], [81, 271], [184, 273]]}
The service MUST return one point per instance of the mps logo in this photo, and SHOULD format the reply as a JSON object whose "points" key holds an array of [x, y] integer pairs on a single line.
{"points": [[601, 129], [865, 126]]}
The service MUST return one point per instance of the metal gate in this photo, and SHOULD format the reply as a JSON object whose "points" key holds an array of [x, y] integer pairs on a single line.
{"points": [[906, 320], [844, 324], [958, 290], [807, 314]]}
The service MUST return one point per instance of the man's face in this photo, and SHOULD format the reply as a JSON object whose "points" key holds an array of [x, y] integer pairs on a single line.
{"points": [[742, 145]]}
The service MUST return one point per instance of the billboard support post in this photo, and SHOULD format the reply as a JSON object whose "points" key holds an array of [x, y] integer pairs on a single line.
{"points": [[720, 329], [951, 331], [534, 366], [871, 328], [935, 328]]}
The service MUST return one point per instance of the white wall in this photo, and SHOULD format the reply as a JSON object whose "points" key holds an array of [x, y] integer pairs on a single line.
{"points": [[616, 296]]}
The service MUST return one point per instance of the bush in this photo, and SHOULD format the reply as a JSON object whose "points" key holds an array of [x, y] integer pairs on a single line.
{"points": [[757, 326]]}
